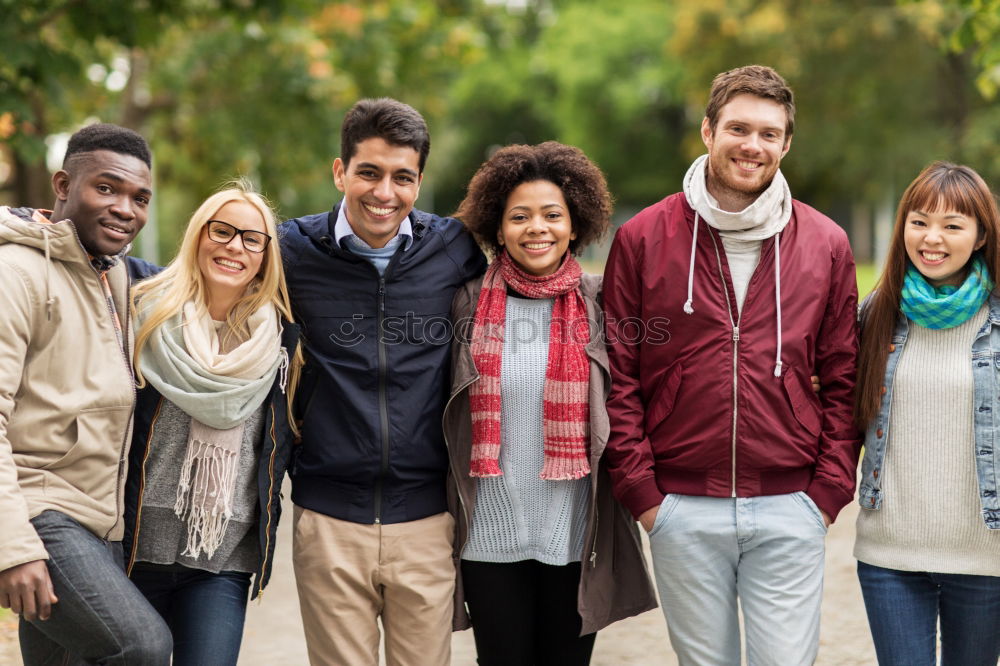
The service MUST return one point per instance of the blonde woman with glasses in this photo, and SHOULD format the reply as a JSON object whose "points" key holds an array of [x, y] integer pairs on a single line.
{"points": [[212, 436]]}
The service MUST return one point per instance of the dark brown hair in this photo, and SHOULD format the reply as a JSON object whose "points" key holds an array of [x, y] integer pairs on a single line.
{"points": [[580, 180], [942, 186], [756, 80], [387, 119]]}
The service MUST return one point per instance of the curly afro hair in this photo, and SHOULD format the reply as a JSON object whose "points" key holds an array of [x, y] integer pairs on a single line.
{"points": [[581, 181]]}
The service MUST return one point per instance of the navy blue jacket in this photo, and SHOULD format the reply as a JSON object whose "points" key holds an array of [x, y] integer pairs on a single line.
{"points": [[377, 368], [275, 454]]}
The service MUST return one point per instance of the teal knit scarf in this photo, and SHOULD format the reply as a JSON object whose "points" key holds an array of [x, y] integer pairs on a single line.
{"points": [[947, 306]]}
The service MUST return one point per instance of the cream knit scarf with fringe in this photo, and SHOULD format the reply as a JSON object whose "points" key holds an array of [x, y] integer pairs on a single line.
{"points": [[218, 388]]}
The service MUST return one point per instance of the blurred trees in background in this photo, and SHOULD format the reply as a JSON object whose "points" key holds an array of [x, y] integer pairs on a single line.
{"points": [[259, 87]]}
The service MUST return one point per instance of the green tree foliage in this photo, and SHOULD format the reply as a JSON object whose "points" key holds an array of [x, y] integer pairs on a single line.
{"points": [[48, 46], [259, 87], [971, 26]]}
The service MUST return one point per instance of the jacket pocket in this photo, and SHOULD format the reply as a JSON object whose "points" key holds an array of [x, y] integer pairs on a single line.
{"points": [[805, 408], [92, 459], [661, 402]]}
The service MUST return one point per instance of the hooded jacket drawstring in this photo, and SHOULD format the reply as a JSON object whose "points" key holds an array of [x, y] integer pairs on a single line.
{"points": [[689, 303], [49, 300], [777, 299]]}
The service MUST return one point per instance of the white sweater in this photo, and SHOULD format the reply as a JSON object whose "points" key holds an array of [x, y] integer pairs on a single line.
{"points": [[931, 518]]}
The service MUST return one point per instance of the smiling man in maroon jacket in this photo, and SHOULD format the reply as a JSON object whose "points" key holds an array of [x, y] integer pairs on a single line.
{"points": [[719, 447]]}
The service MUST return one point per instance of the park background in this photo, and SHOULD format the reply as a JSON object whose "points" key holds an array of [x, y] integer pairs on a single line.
{"points": [[258, 88]]}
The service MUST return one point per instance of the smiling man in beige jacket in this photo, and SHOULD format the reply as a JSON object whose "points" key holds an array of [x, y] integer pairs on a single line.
{"points": [[66, 398]]}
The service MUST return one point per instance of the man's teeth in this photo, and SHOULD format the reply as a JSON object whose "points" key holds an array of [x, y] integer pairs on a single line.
{"points": [[229, 264], [120, 230], [743, 164], [379, 211], [934, 256], [537, 246]]}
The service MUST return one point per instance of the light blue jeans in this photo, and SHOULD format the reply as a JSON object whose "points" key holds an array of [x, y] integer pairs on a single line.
{"points": [[767, 552]]}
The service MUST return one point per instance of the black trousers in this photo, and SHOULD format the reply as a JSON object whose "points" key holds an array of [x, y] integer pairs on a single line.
{"points": [[524, 614]]}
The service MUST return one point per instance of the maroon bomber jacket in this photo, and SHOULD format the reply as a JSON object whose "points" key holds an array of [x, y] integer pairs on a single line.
{"points": [[696, 407]]}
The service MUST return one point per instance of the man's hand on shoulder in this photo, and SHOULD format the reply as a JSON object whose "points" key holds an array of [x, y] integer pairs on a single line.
{"points": [[27, 590], [648, 518]]}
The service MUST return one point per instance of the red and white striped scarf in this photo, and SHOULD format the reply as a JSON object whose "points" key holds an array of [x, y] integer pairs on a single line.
{"points": [[567, 373]]}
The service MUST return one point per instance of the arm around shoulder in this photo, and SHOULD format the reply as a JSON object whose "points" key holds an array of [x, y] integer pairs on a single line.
{"points": [[461, 247], [629, 453], [834, 480]]}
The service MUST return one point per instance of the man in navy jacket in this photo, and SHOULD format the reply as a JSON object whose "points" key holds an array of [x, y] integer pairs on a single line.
{"points": [[371, 284]]}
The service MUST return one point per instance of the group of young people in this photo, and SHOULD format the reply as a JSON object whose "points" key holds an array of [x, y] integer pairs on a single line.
{"points": [[474, 443]]}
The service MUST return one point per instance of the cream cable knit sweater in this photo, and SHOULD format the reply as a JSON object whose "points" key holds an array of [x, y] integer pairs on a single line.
{"points": [[931, 519]]}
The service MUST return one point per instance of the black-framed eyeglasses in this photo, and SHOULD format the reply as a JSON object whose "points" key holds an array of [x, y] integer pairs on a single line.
{"points": [[223, 232]]}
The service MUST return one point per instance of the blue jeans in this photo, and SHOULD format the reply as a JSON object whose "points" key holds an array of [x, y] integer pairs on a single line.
{"points": [[765, 551], [205, 611], [100, 616], [903, 610]]}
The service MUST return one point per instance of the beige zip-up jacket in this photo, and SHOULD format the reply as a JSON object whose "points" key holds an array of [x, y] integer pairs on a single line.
{"points": [[66, 386]]}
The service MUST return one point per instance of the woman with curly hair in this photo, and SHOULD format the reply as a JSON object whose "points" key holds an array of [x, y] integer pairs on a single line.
{"points": [[212, 435], [548, 557]]}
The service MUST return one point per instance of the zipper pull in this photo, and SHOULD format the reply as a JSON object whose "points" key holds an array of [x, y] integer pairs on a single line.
{"points": [[736, 333], [593, 559]]}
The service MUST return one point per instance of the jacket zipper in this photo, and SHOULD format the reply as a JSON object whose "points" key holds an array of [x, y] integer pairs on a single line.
{"points": [[594, 470], [736, 350], [383, 400], [451, 464], [142, 488], [131, 379], [270, 500], [597, 524]]}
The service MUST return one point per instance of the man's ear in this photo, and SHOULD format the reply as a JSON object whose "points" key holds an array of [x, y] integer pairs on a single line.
{"points": [[706, 133], [788, 144], [339, 169], [60, 184]]}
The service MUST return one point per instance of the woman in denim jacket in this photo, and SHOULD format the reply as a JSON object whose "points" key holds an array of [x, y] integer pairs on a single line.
{"points": [[928, 539]]}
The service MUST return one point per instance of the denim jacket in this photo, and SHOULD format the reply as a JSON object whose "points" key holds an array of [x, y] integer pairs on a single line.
{"points": [[986, 381]]}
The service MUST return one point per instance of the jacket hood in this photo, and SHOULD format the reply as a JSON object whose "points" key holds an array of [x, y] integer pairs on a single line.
{"points": [[57, 240]]}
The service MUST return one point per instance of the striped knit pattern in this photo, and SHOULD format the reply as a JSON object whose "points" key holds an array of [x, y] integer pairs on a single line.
{"points": [[567, 374], [519, 516], [931, 517]]}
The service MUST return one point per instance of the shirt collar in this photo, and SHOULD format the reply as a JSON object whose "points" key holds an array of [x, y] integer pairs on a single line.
{"points": [[342, 230]]}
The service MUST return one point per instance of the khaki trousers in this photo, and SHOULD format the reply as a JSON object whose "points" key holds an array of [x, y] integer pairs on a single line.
{"points": [[349, 574]]}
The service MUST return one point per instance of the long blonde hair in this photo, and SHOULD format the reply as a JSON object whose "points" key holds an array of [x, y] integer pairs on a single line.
{"points": [[181, 281]]}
